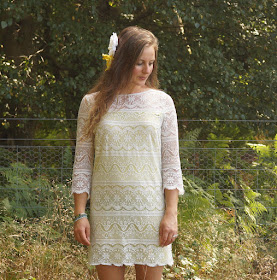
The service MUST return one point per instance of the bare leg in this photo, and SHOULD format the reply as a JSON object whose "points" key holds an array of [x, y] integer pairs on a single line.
{"points": [[144, 272], [108, 272]]}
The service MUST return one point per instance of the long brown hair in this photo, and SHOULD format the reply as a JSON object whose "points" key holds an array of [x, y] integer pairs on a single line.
{"points": [[131, 42]]}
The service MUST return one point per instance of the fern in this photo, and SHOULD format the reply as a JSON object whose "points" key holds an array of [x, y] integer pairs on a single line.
{"points": [[266, 176], [23, 195], [196, 203], [190, 139]]}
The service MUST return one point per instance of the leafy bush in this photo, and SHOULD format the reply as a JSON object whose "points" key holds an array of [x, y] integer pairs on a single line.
{"points": [[221, 176], [24, 194]]}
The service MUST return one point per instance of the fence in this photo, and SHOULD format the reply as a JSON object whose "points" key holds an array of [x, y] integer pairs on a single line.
{"points": [[215, 162]]}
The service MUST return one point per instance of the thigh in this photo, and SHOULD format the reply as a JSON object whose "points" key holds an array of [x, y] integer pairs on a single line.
{"points": [[108, 272], [144, 272]]}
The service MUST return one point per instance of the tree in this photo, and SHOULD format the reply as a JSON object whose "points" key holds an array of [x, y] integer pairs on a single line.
{"points": [[217, 58]]}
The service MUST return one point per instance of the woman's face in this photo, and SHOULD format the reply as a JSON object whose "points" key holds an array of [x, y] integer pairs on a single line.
{"points": [[143, 68]]}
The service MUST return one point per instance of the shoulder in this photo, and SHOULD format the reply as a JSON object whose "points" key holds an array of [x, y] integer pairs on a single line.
{"points": [[88, 99], [86, 103], [164, 98], [161, 93]]}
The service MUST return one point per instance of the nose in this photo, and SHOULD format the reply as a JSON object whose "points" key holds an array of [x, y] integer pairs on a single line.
{"points": [[147, 69]]}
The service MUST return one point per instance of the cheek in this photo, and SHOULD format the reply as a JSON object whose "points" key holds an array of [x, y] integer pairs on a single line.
{"points": [[136, 70]]}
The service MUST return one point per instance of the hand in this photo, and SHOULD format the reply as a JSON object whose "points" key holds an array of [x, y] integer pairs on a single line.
{"points": [[82, 231], [168, 229]]}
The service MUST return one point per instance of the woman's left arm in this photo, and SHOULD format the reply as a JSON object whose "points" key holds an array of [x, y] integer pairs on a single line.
{"points": [[169, 223], [171, 173]]}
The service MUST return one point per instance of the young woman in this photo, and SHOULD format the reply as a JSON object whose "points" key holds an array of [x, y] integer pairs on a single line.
{"points": [[127, 161]]}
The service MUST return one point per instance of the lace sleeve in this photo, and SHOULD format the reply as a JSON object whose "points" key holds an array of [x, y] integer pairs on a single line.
{"points": [[84, 153], [171, 167]]}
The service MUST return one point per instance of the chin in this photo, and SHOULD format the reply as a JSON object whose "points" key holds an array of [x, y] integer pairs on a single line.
{"points": [[140, 84]]}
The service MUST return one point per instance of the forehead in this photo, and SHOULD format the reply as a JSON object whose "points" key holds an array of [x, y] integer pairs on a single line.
{"points": [[148, 53]]}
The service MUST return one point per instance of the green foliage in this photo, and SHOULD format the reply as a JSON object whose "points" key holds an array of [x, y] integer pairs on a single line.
{"points": [[252, 209], [215, 65], [24, 194], [196, 203], [218, 176], [265, 164], [28, 192], [207, 248], [267, 154]]}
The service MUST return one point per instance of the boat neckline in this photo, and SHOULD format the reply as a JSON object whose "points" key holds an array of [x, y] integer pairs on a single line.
{"points": [[135, 92]]}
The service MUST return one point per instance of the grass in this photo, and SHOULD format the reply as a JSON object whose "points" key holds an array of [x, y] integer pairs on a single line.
{"points": [[206, 249]]}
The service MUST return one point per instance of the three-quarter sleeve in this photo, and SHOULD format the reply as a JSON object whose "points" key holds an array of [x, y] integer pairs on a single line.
{"points": [[84, 153], [171, 167]]}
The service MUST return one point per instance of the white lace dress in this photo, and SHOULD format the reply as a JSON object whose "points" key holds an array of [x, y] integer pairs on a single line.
{"points": [[133, 157]]}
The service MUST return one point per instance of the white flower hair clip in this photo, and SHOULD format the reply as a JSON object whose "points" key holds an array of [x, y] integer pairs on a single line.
{"points": [[112, 49]]}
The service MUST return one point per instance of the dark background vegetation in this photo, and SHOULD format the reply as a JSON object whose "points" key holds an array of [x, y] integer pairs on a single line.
{"points": [[217, 58]]}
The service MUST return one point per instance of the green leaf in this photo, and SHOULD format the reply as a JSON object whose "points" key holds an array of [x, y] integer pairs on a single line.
{"points": [[4, 24], [10, 21]]}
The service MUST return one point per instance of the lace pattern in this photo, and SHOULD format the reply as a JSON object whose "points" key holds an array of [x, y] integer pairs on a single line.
{"points": [[133, 157], [84, 153], [151, 255]]}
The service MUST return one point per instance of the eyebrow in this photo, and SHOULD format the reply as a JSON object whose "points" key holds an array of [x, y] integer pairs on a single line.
{"points": [[144, 60]]}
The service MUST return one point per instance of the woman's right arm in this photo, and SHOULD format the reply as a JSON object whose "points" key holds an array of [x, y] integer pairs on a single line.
{"points": [[82, 172], [82, 226]]}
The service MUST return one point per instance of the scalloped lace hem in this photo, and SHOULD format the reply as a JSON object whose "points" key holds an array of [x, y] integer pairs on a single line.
{"points": [[130, 264], [80, 191], [181, 190]]}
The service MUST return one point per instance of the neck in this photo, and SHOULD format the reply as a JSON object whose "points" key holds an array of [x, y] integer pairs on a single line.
{"points": [[133, 89]]}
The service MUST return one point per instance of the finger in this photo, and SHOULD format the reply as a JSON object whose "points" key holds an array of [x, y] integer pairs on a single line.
{"points": [[82, 235], [82, 231], [88, 234], [78, 238], [163, 234], [83, 238], [174, 236], [169, 240], [163, 238]]}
